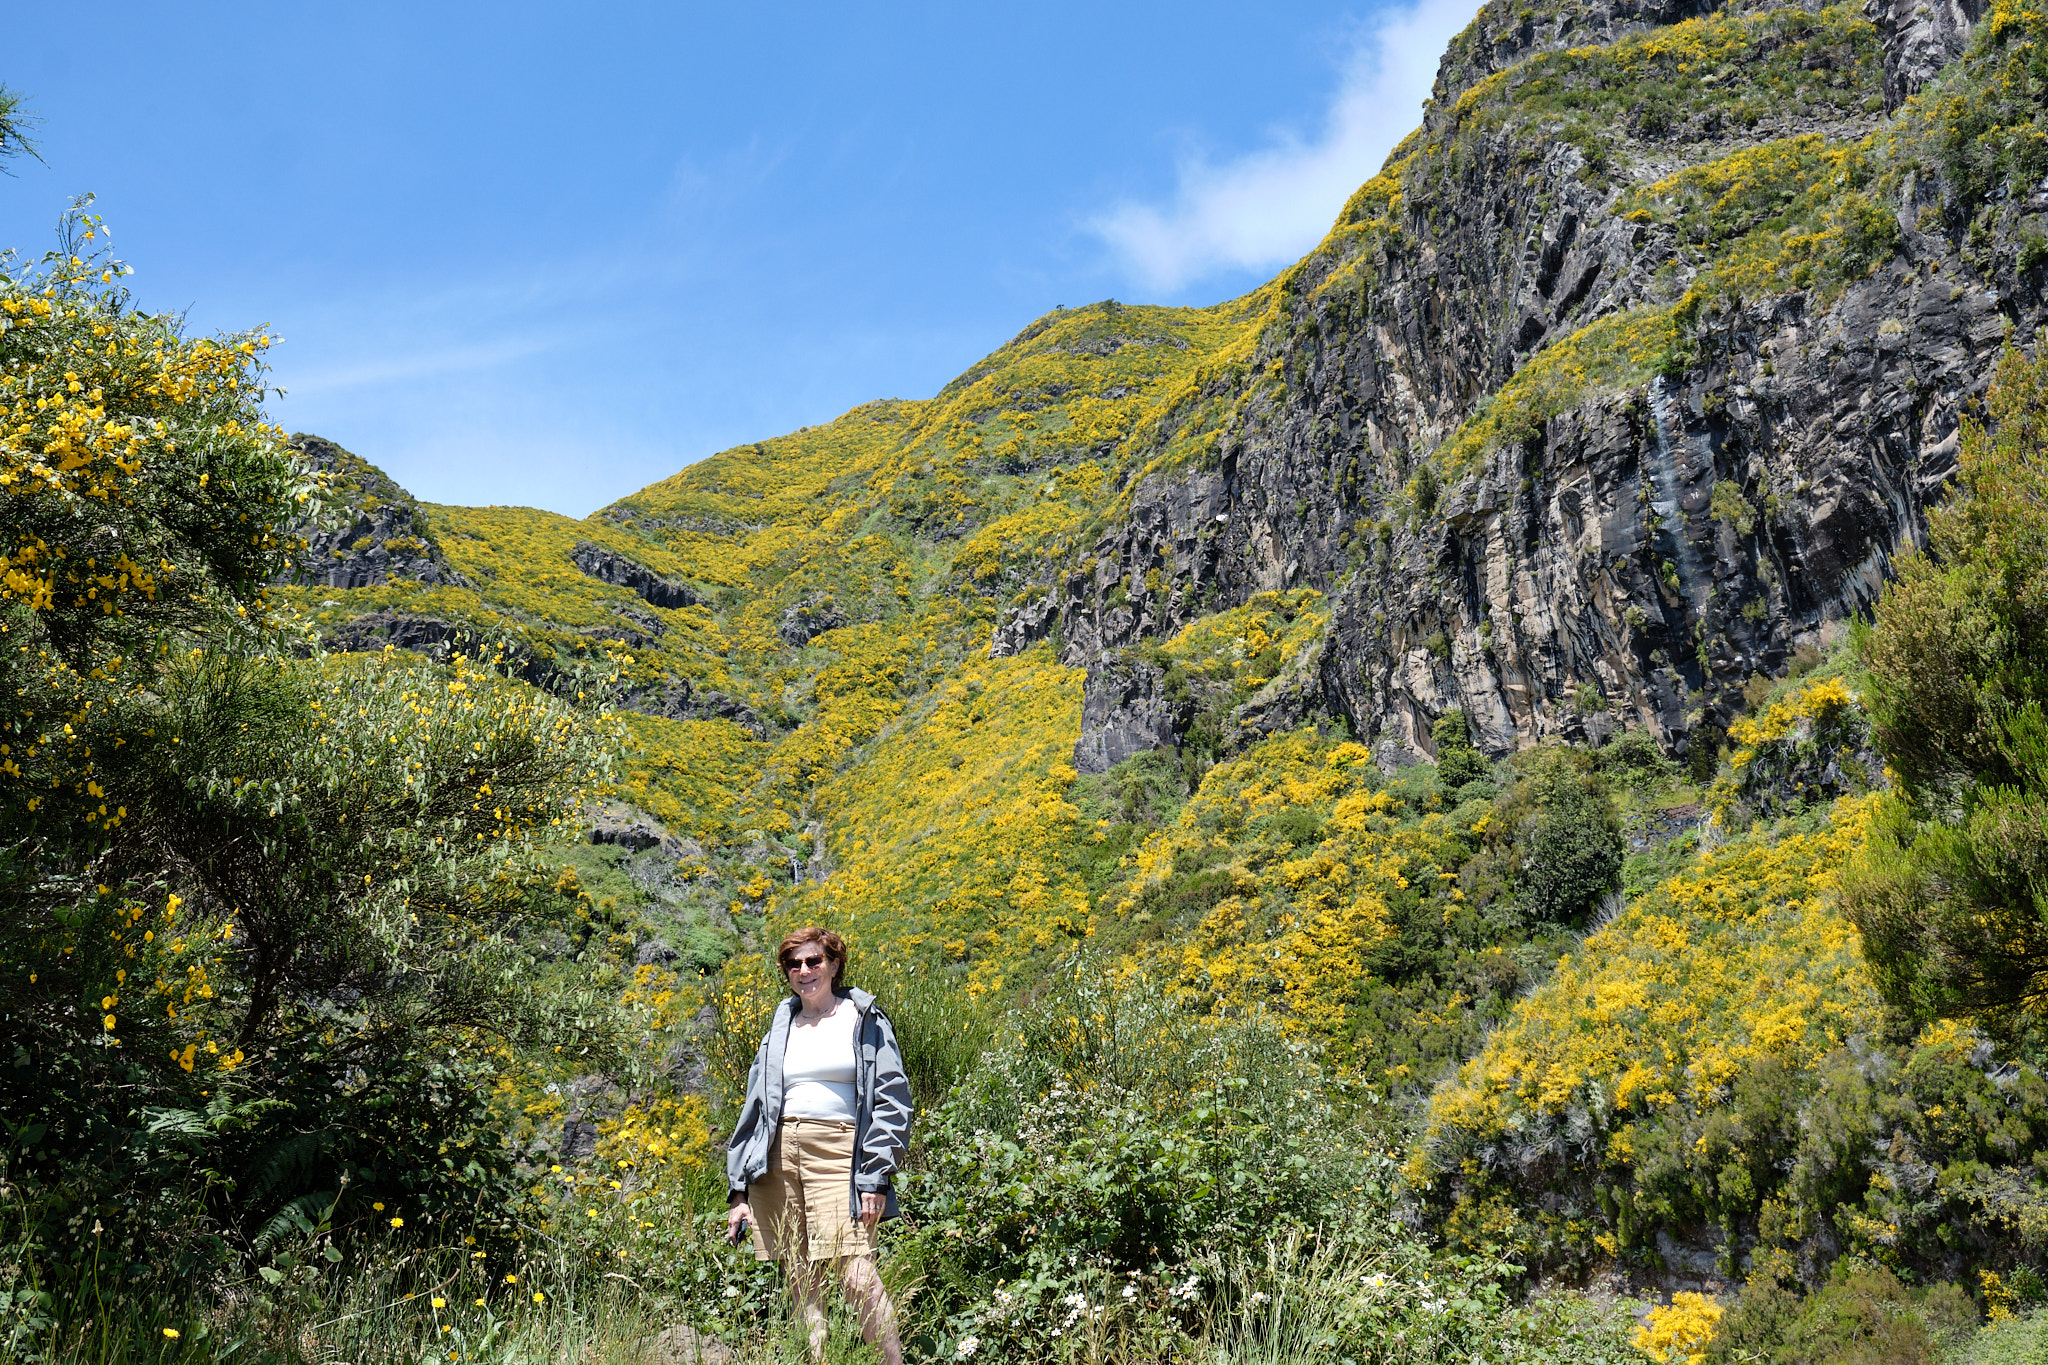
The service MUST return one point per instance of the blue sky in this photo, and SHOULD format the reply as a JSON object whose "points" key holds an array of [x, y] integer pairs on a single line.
{"points": [[548, 254]]}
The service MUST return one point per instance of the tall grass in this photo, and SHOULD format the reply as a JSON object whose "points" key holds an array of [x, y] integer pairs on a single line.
{"points": [[1106, 1176]]}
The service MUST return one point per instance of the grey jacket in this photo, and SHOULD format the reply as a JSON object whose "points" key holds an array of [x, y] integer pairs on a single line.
{"points": [[881, 1104]]}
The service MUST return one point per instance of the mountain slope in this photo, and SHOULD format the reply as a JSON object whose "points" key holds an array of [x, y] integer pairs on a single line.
{"points": [[1625, 379], [1616, 389]]}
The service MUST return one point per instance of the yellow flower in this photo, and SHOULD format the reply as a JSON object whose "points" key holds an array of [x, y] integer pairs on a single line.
{"points": [[538, 1296], [172, 1333], [398, 1222], [511, 1279], [378, 1206], [1678, 1333], [440, 1302]]}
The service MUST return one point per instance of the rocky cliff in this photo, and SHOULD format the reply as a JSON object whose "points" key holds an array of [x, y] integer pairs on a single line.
{"points": [[1626, 379], [366, 530], [1619, 388]]}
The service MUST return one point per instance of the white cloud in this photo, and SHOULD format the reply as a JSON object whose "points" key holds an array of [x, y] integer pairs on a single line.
{"points": [[389, 367], [1268, 207]]}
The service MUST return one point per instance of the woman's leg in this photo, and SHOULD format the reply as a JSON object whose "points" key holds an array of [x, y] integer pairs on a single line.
{"points": [[864, 1289], [807, 1288]]}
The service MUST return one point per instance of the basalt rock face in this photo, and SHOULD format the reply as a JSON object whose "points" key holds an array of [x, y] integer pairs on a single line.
{"points": [[1501, 35], [1921, 37], [1637, 553], [1605, 575], [807, 620], [1124, 711], [608, 566], [368, 530], [440, 640], [681, 699]]}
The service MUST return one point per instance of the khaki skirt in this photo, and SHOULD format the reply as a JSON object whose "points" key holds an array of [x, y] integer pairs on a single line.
{"points": [[801, 1207]]}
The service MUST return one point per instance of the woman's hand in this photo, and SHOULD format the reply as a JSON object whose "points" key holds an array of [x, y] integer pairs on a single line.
{"points": [[736, 1219], [871, 1206]]}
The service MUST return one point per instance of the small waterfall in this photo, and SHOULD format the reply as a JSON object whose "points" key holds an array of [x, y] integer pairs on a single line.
{"points": [[1674, 540]]}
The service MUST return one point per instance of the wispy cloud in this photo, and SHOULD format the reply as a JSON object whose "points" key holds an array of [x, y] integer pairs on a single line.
{"points": [[433, 363], [1267, 207]]}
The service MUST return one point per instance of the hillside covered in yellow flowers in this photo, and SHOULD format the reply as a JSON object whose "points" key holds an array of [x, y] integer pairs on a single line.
{"points": [[1443, 690], [1500, 771]]}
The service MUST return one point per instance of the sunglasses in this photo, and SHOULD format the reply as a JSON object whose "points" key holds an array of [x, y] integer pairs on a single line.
{"points": [[799, 963]]}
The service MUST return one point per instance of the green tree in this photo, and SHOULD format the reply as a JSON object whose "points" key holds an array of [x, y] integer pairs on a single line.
{"points": [[1457, 762], [1952, 895], [265, 921], [15, 121], [1572, 857]]}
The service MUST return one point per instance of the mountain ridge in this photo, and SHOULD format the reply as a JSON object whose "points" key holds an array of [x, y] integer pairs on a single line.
{"points": [[1612, 395]]}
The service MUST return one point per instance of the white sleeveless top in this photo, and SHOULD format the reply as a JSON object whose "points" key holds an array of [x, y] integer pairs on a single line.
{"points": [[817, 1066]]}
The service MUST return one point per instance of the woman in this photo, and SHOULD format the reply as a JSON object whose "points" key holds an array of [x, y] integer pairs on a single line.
{"points": [[825, 1124]]}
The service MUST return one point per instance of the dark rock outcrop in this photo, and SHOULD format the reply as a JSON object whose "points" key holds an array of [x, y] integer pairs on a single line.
{"points": [[439, 640], [374, 630], [810, 618], [1631, 559], [367, 530], [1921, 37], [1504, 33], [1124, 711], [682, 699], [635, 833], [609, 566]]}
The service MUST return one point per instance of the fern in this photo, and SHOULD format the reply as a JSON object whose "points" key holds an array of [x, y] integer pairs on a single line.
{"points": [[297, 1217], [283, 1164]]}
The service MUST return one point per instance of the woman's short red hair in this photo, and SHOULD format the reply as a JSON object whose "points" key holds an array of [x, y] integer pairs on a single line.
{"points": [[834, 946]]}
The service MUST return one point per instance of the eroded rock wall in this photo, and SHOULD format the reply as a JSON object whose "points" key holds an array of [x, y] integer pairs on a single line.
{"points": [[1637, 556]]}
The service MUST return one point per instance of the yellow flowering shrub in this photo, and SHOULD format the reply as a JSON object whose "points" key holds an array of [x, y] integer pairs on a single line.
{"points": [[1300, 882], [956, 828], [1677, 1333], [657, 1139], [1809, 743], [1270, 624], [142, 494], [689, 774], [1819, 701], [1736, 961], [1711, 1070]]}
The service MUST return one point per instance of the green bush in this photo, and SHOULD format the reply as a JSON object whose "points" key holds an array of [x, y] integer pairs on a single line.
{"points": [[1863, 1315], [1123, 1178], [1573, 855], [266, 943], [1949, 897], [2016, 1341], [1632, 759], [1457, 762]]}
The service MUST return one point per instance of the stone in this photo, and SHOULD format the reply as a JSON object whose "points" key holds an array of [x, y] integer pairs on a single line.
{"points": [[682, 699], [609, 566], [1589, 552], [810, 618], [683, 1344], [1124, 712], [367, 531]]}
